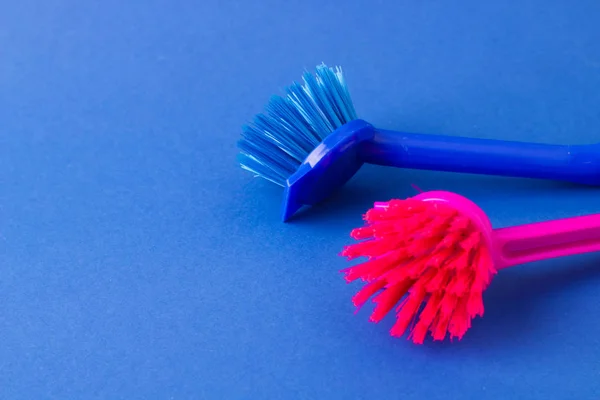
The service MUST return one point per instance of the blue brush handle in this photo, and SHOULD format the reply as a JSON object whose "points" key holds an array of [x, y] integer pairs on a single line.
{"points": [[578, 164]]}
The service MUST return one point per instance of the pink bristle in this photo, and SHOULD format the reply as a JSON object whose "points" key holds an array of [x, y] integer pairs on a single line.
{"points": [[441, 279], [421, 253], [460, 321], [440, 327], [406, 311], [395, 275], [362, 233], [449, 239], [426, 318], [475, 304], [366, 292], [439, 256], [388, 298], [448, 304]]}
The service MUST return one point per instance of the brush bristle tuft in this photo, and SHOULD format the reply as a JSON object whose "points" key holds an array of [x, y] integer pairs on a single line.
{"points": [[425, 259], [275, 144]]}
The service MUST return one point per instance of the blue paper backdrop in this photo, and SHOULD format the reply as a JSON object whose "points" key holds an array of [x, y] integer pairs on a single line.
{"points": [[138, 261]]}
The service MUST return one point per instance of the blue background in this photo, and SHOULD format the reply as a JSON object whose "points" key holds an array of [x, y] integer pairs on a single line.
{"points": [[137, 260]]}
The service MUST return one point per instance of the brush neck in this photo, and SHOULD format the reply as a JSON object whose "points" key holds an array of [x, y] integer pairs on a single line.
{"points": [[579, 164], [539, 241]]}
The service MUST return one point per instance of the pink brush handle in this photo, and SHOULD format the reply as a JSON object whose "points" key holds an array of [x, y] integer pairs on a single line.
{"points": [[539, 241]]}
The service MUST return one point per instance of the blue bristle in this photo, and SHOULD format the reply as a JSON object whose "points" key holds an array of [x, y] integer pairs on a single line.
{"points": [[275, 144]]}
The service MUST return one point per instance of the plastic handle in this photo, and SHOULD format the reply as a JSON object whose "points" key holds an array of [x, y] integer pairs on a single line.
{"points": [[539, 241], [578, 164]]}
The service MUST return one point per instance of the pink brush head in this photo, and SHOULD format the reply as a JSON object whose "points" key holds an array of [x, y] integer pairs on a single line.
{"points": [[430, 257]]}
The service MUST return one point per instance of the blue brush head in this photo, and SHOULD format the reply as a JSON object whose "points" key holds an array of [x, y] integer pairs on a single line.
{"points": [[306, 140], [275, 144]]}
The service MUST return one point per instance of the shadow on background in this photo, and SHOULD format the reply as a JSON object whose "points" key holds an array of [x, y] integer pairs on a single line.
{"points": [[369, 186]]}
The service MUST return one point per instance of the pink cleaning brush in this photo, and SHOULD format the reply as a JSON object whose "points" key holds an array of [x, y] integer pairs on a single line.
{"points": [[433, 255]]}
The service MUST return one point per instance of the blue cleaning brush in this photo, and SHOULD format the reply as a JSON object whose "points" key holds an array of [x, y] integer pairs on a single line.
{"points": [[311, 142]]}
